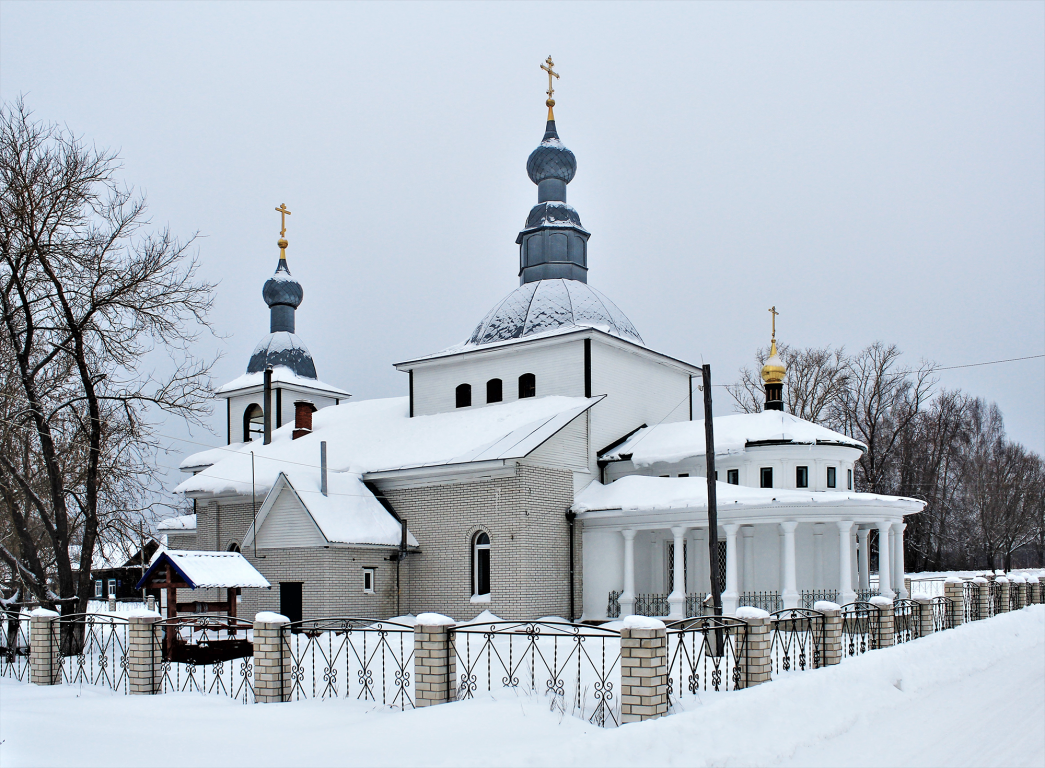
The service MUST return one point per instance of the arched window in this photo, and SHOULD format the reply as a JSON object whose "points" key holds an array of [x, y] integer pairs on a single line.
{"points": [[253, 422], [233, 547], [527, 385], [480, 564], [493, 391], [464, 395]]}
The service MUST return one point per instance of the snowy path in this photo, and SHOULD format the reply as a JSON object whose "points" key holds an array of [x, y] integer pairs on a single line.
{"points": [[973, 696]]}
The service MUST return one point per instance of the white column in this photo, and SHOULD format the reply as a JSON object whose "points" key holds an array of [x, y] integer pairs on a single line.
{"points": [[885, 587], [627, 598], [818, 556], [700, 557], [749, 559], [790, 594], [730, 596], [864, 557], [898, 571], [677, 598], [845, 567]]}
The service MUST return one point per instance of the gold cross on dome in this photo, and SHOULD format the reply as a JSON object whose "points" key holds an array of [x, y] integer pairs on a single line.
{"points": [[547, 67], [283, 213], [774, 313]]}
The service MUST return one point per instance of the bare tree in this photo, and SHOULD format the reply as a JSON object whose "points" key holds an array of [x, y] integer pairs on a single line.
{"points": [[86, 292], [813, 387]]}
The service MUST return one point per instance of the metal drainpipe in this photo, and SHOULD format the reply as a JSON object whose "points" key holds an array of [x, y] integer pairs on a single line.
{"points": [[268, 404], [570, 517]]}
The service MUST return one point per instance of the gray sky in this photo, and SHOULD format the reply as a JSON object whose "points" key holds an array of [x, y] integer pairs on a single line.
{"points": [[876, 171]]}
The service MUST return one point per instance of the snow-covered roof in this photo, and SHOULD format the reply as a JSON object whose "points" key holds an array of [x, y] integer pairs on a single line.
{"points": [[639, 493], [733, 434], [179, 523], [348, 514], [280, 375], [203, 459], [379, 435], [202, 570]]}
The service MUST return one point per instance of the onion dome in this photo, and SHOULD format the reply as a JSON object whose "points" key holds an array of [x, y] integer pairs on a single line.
{"points": [[281, 288], [282, 348], [551, 160], [773, 371]]}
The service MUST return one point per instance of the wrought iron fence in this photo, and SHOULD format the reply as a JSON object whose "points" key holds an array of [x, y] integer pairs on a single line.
{"points": [[577, 666], [994, 598], [970, 602], [906, 621], [798, 640], [943, 613], [863, 595], [707, 651], [14, 653], [860, 626], [613, 606], [698, 604], [767, 601], [351, 658], [93, 650], [1014, 596], [930, 587], [207, 654], [813, 596]]}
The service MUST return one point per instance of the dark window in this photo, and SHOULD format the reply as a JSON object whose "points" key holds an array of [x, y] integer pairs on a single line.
{"points": [[722, 565], [527, 385], [464, 395], [368, 580], [801, 477], [493, 391], [665, 475], [290, 599], [767, 477], [233, 547], [686, 474], [481, 564], [733, 476], [671, 563], [831, 482], [850, 473], [253, 422]]}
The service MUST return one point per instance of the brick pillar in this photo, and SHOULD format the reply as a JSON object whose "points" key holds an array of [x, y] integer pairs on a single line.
{"points": [[983, 599], [1004, 599], [1023, 594], [643, 669], [1033, 591], [758, 663], [144, 653], [925, 614], [45, 658], [907, 585], [435, 660], [952, 590], [1041, 589], [886, 626], [271, 665], [832, 631]]}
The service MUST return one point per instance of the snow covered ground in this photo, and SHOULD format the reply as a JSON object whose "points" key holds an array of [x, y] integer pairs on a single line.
{"points": [[974, 696]]}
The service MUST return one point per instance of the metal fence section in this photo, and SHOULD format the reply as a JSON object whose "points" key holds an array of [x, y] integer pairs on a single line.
{"points": [[970, 602], [813, 596], [706, 653], [860, 625], [93, 650], [613, 605], [206, 654], [906, 621], [930, 587], [993, 599], [14, 653], [657, 605], [863, 595], [1014, 596], [798, 640], [576, 666], [767, 601], [351, 658]]}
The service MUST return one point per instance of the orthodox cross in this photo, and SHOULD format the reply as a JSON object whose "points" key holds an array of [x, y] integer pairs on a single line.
{"points": [[283, 213], [547, 67], [774, 313]]}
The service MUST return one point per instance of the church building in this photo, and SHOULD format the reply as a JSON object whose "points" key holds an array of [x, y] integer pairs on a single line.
{"points": [[549, 465]]}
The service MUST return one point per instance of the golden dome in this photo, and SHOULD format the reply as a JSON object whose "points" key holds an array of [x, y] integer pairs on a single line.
{"points": [[773, 371]]}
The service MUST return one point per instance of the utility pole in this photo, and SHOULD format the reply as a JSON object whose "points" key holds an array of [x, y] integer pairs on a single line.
{"points": [[709, 452]]}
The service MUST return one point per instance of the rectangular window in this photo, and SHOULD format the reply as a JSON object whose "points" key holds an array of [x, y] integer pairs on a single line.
{"points": [[850, 473], [801, 477], [733, 476], [665, 475], [722, 565], [716, 475], [112, 587], [671, 564], [368, 580], [98, 588], [831, 482], [767, 477], [686, 474]]}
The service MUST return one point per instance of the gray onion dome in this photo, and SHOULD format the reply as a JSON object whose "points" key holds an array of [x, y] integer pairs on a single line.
{"points": [[281, 288], [551, 160]]}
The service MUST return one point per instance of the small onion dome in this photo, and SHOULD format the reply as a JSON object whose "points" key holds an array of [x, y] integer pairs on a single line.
{"points": [[551, 160], [281, 288], [773, 371]]}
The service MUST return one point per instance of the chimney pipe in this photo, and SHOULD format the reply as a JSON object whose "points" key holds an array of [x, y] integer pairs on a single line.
{"points": [[323, 467], [303, 410], [268, 404]]}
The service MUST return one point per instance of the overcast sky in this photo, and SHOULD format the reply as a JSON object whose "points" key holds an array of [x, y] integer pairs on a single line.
{"points": [[875, 170]]}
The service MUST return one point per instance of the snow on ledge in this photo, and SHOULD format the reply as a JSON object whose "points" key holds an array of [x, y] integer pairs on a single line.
{"points": [[921, 597], [1002, 580], [880, 601], [434, 620], [270, 617], [642, 622], [826, 605], [43, 613], [142, 613], [748, 612], [980, 580], [954, 580], [480, 598]]}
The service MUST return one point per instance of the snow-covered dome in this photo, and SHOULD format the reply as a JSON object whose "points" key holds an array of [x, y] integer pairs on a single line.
{"points": [[281, 288], [548, 305], [282, 348], [551, 160]]}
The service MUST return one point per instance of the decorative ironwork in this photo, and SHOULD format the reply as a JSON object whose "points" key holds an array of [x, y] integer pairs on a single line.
{"points": [[698, 604], [943, 613], [702, 652], [94, 651], [767, 601], [657, 605], [970, 602], [798, 640], [930, 587], [576, 666], [813, 596], [906, 621], [993, 599], [348, 657], [206, 653], [613, 606], [863, 595], [652, 605], [14, 653], [1014, 596], [860, 626]]}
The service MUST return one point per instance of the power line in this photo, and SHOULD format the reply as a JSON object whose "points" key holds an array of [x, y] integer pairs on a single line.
{"points": [[991, 362]]}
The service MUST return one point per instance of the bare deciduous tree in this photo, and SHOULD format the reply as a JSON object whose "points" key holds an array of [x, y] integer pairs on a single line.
{"points": [[813, 386]]}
